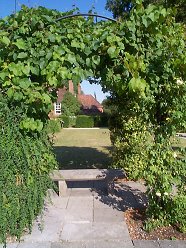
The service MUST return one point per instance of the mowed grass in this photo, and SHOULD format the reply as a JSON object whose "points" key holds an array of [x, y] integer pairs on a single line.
{"points": [[88, 148], [83, 148]]}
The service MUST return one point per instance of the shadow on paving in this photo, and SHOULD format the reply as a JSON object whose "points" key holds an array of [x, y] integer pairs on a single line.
{"points": [[122, 196], [116, 195], [82, 157]]}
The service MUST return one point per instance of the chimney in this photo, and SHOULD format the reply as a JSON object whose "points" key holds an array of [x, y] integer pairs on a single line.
{"points": [[71, 87], [79, 89]]}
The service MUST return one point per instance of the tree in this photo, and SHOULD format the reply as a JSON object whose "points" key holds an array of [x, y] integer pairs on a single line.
{"points": [[178, 5], [119, 8], [70, 105]]}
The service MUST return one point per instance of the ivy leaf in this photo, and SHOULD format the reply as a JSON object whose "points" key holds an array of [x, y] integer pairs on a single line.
{"points": [[24, 83], [49, 55], [18, 96], [52, 37], [10, 92], [96, 59], [144, 21], [151, 16], [5, 40], [20, 43], [35, 70], [71, 58], [22, 55], [3, 75], [112, 52], [88, 62], [74, 43]]}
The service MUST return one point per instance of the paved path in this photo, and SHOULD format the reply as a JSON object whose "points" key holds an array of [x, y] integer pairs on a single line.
{"points": [[90, 218]]}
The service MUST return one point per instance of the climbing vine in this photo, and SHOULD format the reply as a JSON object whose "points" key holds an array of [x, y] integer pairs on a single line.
{"points": [[141, 61]]}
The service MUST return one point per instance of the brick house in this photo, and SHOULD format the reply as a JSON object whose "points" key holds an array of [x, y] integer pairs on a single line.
{"points": [[89, 105]]}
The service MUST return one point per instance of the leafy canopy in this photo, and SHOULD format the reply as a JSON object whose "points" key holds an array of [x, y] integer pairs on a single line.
{"points": [[70, 105]]}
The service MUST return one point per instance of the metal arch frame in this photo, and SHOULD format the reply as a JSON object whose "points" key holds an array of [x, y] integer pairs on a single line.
{"points": [[84, 14]]}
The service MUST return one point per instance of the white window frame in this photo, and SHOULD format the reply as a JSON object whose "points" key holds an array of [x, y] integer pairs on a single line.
{"points": [[57, 108]]}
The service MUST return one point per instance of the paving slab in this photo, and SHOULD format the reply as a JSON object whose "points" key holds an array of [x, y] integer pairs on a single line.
{"points": [[108, 215], [59, 202], [136, 186], [10, 245], [128, 200], [94, 244], [97, 231], [79, 214], [35, 245], [146, 244], [172, 243], [73, 245], [82, 192], [113, 244], [86, 201], [50, 233], [107, 201]]}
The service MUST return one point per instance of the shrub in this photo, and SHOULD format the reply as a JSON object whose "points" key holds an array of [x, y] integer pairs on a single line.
{"points": [[65, 121], [72, 121], [26, 161], [70, 105], [84, 121], [53, 126], [101, 121]]}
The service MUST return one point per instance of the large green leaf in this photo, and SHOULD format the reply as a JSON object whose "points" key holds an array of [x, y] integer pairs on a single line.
{"points": [[5, 40], [22, 55], [20, 43]]}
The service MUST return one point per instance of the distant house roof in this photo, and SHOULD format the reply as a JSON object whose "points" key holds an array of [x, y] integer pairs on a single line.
{"points": [[89, 104]]}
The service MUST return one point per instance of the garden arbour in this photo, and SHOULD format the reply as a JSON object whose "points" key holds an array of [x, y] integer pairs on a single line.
{"points": [[141, 61]]}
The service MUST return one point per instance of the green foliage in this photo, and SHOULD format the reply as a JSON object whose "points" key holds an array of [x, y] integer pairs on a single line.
{"points": [[148, 86], [70, 106], [129, 137], [118, 7], [179, 7], [25, 163], [101, 120], [165, 175], [141, 62], [84, 121], [65, 120], [53, 126], [39, 54], [121, 8]]}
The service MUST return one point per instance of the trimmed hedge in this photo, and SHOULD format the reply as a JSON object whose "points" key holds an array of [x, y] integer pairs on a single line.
{"points": [[101, 121], [84, 121], [65, 121]]}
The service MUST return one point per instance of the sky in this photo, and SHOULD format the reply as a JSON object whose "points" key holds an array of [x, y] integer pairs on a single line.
{"points": [[8, 7]]}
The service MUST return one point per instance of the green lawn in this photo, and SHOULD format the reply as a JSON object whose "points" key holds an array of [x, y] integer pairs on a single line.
{"points": [[87, 148], [83, 148]]}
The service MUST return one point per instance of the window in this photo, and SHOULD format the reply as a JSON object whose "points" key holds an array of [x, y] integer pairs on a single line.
{"points": [[57, 108]]}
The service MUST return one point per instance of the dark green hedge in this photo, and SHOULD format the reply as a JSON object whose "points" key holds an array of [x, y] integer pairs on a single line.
{"points": [[65, 121], [84, 121], [101, 121]]}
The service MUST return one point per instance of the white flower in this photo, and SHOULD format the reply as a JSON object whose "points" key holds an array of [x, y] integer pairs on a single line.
{"points": [[158, 194], [175, 155], [165, 193], [179, 81]]}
